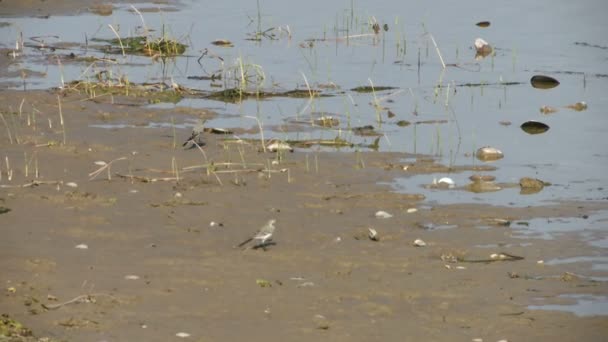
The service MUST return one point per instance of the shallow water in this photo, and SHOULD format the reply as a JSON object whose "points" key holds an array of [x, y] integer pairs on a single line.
{"points": [[584, 305], [542, 37]]}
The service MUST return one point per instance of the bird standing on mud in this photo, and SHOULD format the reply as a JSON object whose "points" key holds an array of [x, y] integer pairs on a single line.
{"points": [[196, 138], [263, 235]]}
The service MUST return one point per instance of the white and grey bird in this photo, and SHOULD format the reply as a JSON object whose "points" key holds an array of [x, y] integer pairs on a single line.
{"points": [[262, 236], [197, 134]]}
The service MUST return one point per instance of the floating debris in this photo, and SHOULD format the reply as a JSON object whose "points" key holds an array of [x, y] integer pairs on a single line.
{"points": [[411, 210], [534, 127], [390, 114], [327, 121], [403, 123], [504, 123], [131, 277], [548, 109], [373, 234], [81, 246], [419, 243], [383, 214], [483, 24], [488, 153], [370, 89], [222, 43], [366, 131], [71, 184], [182, 335], [215, 224], [579, 106], [543, 82]]}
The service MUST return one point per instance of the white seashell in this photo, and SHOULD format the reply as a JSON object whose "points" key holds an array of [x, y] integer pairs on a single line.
{"points": [[71, 184], [131, 277], [383, 214], [82, 246], [412, 210], [480, 43], [372, 234], [182, 334], [419, 243]]}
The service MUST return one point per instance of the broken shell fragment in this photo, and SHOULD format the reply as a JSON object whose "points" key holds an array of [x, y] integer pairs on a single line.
{"points": [[419, 243], [373, 234], [534, 127], [543, 82], [383, 214], [488, 153]]}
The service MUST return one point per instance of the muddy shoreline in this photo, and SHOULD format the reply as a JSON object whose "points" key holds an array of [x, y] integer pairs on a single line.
{"points": [[155, 266]]}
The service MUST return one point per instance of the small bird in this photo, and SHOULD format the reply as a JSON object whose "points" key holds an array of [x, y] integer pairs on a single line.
{"points": [[263, 235], [196, 136]]}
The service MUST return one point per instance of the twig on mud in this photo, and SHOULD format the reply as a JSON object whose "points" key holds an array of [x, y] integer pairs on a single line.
{"points": [[103, 167], [501, 257], [30, 184], [88, 298], [146, 179]]}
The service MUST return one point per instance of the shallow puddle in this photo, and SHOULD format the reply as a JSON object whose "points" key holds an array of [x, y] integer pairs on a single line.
{"points": [[584, 305]]}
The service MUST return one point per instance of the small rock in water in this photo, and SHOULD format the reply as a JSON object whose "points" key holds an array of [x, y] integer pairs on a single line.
{"points": [[548, 109], [488, 153], [446, 182], [543, 82], [383, 214], [482, 48], [531, 185], [419, 243], [579, 106]]}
